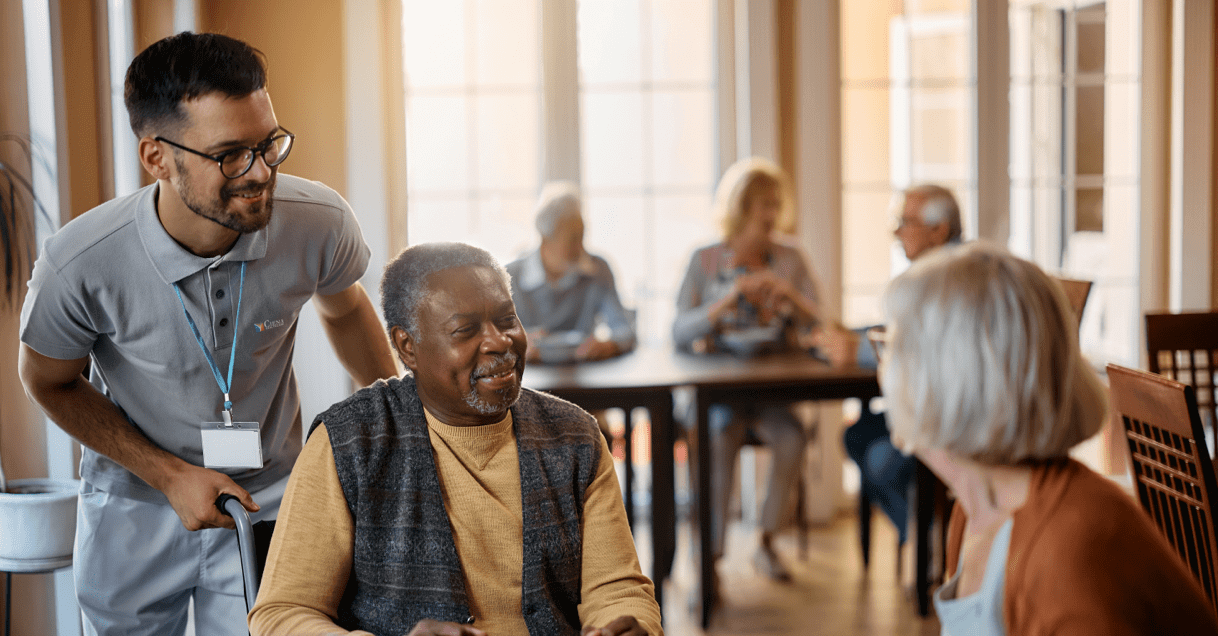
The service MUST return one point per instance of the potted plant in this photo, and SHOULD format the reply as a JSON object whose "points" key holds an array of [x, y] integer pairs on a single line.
{"points": [[38, 519], [37, 516]]}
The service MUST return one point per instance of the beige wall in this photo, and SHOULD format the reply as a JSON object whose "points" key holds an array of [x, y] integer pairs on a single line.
{"points": [[303, 43], [85, 93]]}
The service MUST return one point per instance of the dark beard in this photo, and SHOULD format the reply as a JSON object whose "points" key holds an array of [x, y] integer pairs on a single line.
{"points": [[218, 212]]}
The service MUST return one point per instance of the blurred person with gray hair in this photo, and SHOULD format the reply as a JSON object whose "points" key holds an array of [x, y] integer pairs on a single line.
{"points": [[563, 294], [928, 217], [985, 383]]}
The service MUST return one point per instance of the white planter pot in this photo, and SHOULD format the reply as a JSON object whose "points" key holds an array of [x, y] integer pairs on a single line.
{"points": [[38, 518]]}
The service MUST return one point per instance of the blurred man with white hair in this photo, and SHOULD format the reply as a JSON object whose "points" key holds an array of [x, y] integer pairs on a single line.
{"points": [[563, 293], [929, 218]]}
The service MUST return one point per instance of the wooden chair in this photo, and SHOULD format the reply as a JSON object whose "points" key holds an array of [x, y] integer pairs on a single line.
{"points": [[1184, 347], [1077, 292], [1171, 466], [929, 507]]}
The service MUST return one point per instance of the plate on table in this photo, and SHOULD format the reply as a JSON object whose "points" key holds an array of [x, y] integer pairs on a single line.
{"points": [[558, 347], [752, 341]]}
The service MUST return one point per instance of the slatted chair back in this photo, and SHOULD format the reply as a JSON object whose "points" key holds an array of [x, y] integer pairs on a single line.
{"points": [[1172, 469], [1184, 347]]}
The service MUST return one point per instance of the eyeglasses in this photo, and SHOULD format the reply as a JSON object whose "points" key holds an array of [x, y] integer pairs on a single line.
{"points": [[878, 337], [238, 161]]}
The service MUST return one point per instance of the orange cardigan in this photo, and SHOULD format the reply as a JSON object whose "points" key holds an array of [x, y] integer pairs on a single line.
{"points": [[1085, 560]]}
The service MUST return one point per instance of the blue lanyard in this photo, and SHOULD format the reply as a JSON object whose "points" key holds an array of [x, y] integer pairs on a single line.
{"points": [[232, 355]]}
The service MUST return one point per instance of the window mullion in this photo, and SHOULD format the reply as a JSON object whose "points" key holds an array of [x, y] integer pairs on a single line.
{"points": [[560, 125]]}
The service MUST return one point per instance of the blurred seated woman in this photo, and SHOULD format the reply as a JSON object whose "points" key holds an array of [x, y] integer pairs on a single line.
{"points": [[984, 382], [749, 293]]}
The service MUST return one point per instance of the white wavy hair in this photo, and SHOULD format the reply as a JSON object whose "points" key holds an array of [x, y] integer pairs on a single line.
{"points": [[558, 201], [983, 359], [939, 206]]}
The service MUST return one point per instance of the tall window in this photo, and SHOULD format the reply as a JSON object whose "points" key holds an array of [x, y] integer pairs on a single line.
{"points": [[473, 104], [646, 96], [1074, 149], [475, 97], [1073, 138]]}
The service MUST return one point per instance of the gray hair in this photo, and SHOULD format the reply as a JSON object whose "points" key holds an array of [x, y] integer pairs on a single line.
{"points": [[558, 201], [404, 284], [938, 206], [983, 359]]}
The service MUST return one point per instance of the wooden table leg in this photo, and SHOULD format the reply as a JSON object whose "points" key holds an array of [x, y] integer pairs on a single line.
{"points": [[704, 502], [663, 493], [925, 516]]}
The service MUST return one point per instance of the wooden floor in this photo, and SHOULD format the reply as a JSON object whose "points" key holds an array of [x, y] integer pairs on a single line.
{"points": [[830, 593]]}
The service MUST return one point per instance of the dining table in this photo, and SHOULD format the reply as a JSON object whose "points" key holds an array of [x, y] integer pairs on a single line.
{"points": [[647, 378]]}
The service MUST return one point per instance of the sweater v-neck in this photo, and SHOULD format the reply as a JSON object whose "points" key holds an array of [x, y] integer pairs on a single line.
{"points": [[475, 445]]}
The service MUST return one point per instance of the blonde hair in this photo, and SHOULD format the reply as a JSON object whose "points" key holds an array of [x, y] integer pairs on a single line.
{"points": [[983, 359], [742, 182]]}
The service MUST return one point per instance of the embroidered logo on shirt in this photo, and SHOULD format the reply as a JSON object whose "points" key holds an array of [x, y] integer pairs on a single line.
{"points": [[267, 325]]}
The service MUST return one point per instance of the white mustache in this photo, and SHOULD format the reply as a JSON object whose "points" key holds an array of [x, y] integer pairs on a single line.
{"points": [[496, 365]]}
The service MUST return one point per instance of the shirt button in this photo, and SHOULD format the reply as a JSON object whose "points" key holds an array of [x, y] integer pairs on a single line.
{"points": [[219, 293], [224, 322]]}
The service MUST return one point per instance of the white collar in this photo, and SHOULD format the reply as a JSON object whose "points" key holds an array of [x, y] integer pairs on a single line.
{"points": [[533, 272]]}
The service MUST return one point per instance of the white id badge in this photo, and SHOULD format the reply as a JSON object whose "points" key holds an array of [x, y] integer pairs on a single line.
{"points": [[236, 446]]}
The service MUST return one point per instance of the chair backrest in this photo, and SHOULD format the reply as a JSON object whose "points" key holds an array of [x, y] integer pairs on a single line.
{"points": [[1184, 347], [1077, 292], [1171, 466]]}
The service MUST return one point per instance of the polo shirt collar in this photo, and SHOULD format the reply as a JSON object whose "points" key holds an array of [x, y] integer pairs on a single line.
{"points": [[174, 262]]}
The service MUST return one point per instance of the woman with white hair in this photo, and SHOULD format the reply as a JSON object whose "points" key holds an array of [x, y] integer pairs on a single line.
{"points": [[981, 371]]}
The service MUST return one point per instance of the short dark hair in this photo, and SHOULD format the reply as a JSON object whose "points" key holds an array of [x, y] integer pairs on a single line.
{"points": [[404, 283], [186, 66]]}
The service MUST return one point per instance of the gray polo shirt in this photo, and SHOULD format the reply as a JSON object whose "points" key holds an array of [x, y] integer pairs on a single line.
{"points": [[103, 287]]}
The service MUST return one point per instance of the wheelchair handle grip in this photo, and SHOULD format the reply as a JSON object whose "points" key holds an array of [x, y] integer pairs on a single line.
{"points": [[222, 503], [232, 507]]}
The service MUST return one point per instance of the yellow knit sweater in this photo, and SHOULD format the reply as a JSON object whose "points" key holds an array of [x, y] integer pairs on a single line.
{"points": [[311, 553]]}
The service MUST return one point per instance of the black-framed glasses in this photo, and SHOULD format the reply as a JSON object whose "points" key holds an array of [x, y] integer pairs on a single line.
{"points": [[238, 161]]}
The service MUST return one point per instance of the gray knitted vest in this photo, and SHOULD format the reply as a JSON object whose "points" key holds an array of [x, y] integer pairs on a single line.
{"points": [[405, 565]]}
